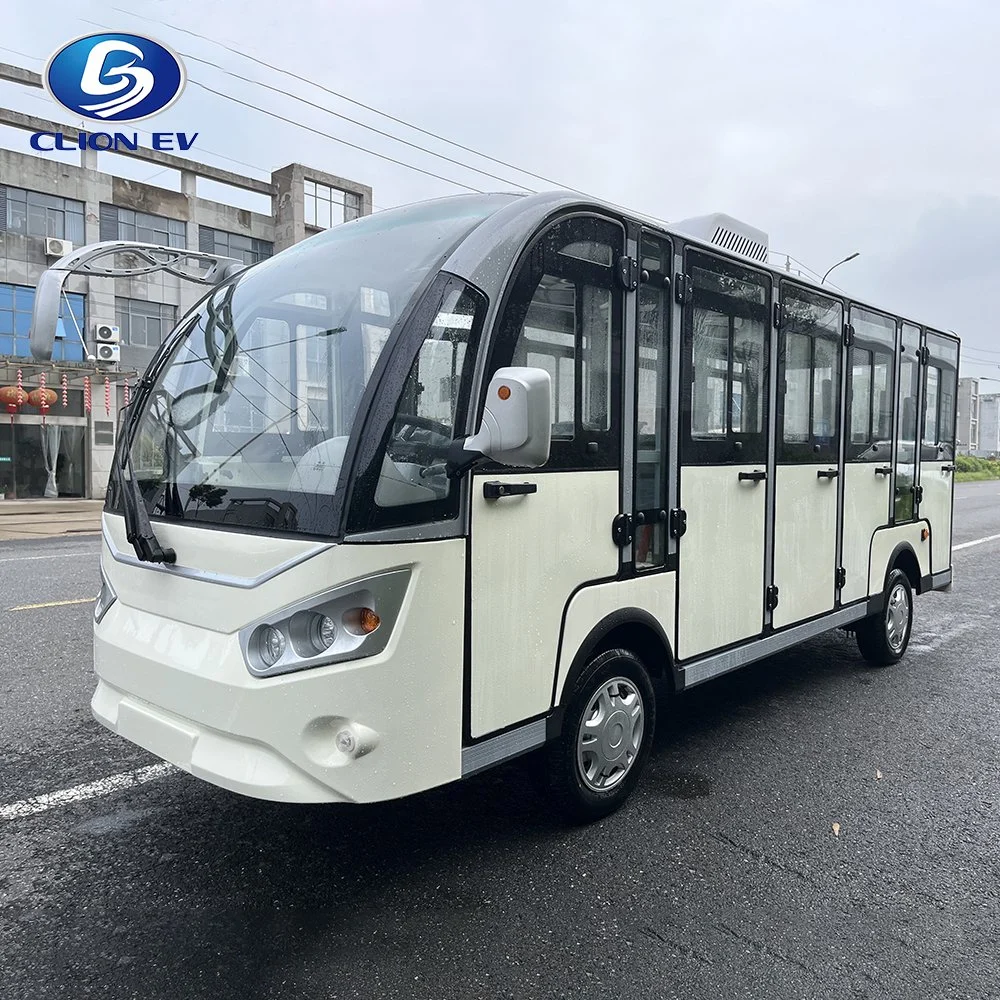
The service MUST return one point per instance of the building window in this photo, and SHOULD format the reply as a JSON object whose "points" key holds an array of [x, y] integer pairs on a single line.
{"points": [[31, 213], [329, 206], [245, 248], [144, 324], [16, 305], [125, 224]]}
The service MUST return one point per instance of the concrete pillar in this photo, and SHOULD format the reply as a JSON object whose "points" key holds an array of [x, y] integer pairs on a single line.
{"points": [[88, 159]]}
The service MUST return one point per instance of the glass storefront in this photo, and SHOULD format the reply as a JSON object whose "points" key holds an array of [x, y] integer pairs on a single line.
{"points": [[39, 460]]}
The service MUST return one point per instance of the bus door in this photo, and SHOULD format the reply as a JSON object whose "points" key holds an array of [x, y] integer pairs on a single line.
{"points": [[549, 531], [725, 340], [937, 464], [906, 477], [868, 465], [807, 491]]}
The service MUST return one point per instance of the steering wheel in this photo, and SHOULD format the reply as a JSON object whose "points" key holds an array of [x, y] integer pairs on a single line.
{"points": [[419, 439]]}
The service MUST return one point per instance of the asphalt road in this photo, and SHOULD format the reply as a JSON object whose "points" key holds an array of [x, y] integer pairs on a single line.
{"points": [[723, 877]]}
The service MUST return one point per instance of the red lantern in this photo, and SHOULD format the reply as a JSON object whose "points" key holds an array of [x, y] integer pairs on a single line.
{"points": [[42, 398], [8, 398]]}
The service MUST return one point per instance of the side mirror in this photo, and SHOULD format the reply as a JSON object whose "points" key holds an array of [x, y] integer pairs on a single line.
{"points": [[516, 428]]}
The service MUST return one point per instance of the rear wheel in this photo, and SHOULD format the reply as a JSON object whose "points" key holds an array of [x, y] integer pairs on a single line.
{"points": [[606, 737], [883, 638]]}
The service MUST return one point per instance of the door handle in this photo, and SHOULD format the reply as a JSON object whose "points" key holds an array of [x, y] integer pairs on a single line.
{"points": [[883, 470], [948, 468], [494, 491], [827, 474], [754, 477]]}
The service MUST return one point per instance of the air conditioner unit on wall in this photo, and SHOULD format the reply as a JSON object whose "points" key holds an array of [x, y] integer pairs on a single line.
{"points": [[104, 333], [57, 248], [109, 354]]}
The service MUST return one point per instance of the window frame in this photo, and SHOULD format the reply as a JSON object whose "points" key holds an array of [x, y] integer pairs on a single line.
{"points": [[576, 454], [867, 452], [388, 382], [730, 448], [66, 333], [808, 452], [129, 315], [24, 196]]}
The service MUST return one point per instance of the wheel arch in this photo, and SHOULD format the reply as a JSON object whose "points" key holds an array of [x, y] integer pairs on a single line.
{"points": [[903, 557], [631, 628]]}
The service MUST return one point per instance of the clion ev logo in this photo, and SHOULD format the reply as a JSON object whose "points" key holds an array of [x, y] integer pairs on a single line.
{"points": [[115, 77]]}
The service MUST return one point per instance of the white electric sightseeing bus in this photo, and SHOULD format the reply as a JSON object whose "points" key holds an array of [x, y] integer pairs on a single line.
{"points": [[459, 481]]}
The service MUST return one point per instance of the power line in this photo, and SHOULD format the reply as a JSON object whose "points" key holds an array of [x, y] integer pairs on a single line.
{"points": [[360, 124], [344, 142], [346, 118], [356, 103]]}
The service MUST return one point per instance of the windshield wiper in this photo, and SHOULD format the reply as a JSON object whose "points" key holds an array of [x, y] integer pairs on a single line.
{"points": [[138, 529]]}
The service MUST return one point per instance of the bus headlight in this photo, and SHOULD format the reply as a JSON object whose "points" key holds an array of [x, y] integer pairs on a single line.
{"points": [[322, 632], [105, 599], [353, 620], [270, 644]]}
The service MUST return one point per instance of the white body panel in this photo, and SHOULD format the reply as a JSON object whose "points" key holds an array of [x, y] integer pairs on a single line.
{"points": [[179, 685], [936, 507], [805, 542], [866, 508], [883, 544], [653, 593], [721, 558], [529, 553]]}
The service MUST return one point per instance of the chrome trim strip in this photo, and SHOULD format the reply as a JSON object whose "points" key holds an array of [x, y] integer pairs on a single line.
{"points": [[941, 581], [722, 663], [207, 576], [483, 755]]}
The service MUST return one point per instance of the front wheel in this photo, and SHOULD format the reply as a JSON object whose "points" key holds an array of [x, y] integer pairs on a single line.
{"points": [[606, 737], [883, 638]]}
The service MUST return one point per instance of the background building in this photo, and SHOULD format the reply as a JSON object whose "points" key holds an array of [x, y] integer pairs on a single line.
{"points": [[989, 426], [68, 450], [967, 429]]}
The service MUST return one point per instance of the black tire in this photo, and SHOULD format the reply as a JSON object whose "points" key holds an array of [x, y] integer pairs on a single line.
{"points": [[883, 638], [572, 771]]}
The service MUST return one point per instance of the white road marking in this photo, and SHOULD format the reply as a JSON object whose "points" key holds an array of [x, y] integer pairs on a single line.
{"points": [[975, 541], [62, 555], [80, 793]]}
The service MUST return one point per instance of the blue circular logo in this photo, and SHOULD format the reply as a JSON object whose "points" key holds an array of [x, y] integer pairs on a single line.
{"points": [[115, 77]]}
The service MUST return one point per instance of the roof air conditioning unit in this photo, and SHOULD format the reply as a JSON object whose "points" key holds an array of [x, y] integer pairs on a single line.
{"points": [[104, 333], [729, 233], [109, 354], [57, 248]]}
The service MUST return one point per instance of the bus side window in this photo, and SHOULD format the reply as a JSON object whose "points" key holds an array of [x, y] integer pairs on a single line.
{"points": [[870, 387], [724, 364], [809, 376], [564, 314]]}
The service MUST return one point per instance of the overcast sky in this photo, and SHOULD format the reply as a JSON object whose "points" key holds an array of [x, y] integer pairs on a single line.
{"points": [[868, 126]]}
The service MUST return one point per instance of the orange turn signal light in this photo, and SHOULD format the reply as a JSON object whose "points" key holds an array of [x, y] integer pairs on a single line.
{"points": [[504, 392], [361, 621], [924, 534]]}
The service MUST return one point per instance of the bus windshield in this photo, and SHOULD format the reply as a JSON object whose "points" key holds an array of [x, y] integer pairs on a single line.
{"points": [[248, 420]]}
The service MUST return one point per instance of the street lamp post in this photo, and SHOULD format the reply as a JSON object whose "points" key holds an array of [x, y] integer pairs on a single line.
{"points": [[856, 253]]}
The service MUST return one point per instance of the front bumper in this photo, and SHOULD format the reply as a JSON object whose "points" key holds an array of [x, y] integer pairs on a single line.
{"points": [[374, 728]]}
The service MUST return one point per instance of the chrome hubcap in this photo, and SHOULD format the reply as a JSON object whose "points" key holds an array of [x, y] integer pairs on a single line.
{"points": [[897, 617], [611, 734]]}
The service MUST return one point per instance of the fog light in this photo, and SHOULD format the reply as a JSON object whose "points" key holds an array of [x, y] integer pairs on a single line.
{"points": [[361, 621], [322, 632], [270, 645], [346, 743]]}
